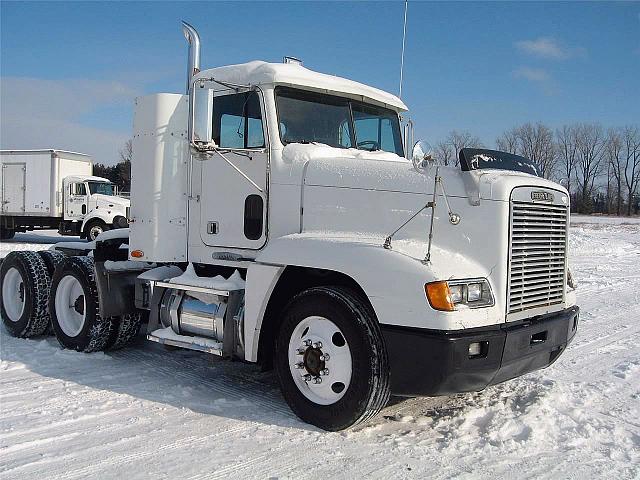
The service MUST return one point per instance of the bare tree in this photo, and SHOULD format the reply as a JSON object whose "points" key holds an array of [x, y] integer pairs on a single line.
{"points": [[591, 143], [508, 141], [567, 148], [126, 152], [444, 153], [123, 168], [536, 143], [615, 165], [631, 140], [460, 140]]}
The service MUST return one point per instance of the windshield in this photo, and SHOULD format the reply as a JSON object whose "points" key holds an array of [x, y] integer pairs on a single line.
{"points": [[101, 187], [306, 117]]}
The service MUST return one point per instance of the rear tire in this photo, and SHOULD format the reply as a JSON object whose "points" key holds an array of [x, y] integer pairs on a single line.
{"points": [[51, 259], [7, 233], [126, 328], [354, 381], [74, 307], [24, 293]]}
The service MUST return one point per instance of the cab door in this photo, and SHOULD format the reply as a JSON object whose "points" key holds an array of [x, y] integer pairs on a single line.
{"points": [[75, 201], [233, 210]]}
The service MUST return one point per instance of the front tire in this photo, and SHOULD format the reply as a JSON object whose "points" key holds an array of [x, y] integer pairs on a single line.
{"points": [[95, 228], [330, 359], [23, 294], [74, 308]]}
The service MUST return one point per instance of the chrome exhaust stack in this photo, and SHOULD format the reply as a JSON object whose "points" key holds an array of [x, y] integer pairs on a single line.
{"points": [[193, 65]]}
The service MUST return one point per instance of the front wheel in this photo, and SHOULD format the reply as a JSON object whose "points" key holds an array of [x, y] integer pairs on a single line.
{"points": [[330, 359], [95, 228]]}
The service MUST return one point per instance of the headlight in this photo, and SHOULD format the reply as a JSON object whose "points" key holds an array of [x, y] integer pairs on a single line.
{"points": [[445, 295]]}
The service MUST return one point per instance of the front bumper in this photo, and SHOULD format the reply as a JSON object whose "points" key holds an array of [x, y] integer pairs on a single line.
{"points": [[429, 363]]}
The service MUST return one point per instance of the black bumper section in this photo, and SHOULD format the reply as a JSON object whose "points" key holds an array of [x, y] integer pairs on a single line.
{"points": [[430, 363]]}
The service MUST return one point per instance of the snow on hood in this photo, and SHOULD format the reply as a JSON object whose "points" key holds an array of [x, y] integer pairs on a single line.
{"points": [[303, 152], [111, 200]]}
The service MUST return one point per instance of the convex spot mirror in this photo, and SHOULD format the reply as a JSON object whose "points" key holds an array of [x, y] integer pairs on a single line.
{"points": [[203, 113], [422, 155]]}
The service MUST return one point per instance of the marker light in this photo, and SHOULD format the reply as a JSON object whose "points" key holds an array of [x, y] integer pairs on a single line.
{"points": [[439, 296], [473, 293], [137, 254]]}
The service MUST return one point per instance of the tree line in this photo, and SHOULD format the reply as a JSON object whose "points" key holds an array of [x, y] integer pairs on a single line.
{"points": [[120, 173], [599, 167]]}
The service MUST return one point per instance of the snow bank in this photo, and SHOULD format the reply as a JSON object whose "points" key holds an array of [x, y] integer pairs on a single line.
{"points": [[189, 277]]}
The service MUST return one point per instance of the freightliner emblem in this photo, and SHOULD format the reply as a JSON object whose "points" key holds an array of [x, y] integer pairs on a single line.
{"points": [[542, 196]]}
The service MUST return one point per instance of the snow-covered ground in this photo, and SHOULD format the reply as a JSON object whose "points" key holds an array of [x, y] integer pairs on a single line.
{"points": [[145, 412]]}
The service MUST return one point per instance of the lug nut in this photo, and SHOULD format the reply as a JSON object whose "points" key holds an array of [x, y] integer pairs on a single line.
{"points": [[299, 365], [317, 380], [307, 378], [308, 343], [317, 345], [324, 357], [324, 371], [301, 351]]}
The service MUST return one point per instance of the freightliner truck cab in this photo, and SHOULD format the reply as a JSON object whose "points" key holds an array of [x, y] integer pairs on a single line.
{"points": [[278, 217]]}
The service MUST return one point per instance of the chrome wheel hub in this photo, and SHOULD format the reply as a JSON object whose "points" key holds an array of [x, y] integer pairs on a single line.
{"points": [[320, 360]]}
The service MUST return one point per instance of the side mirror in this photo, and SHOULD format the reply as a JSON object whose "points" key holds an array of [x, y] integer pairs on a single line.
{"points": [[202, 114], [422, 155]]}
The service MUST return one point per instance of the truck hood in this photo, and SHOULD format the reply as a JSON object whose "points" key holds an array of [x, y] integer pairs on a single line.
{"points": [[387, 172], [110, 201]]}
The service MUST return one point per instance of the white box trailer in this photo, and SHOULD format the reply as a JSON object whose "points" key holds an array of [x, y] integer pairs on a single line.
{"points": [[43, 189], [32, 180]]}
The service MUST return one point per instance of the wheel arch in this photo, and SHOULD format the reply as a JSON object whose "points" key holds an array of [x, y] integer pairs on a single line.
{"points": [[291, 281]]}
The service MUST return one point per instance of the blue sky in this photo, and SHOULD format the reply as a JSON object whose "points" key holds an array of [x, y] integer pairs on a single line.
{"points": [[70, 71]]}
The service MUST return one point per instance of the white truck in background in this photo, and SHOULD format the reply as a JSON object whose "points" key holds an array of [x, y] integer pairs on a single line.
{"points": [[277, 219], [45, 189]]}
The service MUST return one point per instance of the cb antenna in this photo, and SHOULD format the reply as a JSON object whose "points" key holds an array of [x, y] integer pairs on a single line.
{"points": [[404, 36]]}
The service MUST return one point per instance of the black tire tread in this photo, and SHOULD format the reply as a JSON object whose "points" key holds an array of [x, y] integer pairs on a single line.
{"points": [[101, 329], [363, 314], [36, 272], [126, 330]]}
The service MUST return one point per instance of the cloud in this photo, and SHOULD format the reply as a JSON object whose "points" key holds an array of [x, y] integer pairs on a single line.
{"points": [[39, 113], [549, 48], [537, 75]]}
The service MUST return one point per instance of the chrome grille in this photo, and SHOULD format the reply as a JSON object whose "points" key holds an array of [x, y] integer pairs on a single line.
{"points": [[538, 255]]}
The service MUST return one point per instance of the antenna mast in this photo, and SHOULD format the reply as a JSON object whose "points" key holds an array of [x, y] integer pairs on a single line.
{"points": [[404, 36]]}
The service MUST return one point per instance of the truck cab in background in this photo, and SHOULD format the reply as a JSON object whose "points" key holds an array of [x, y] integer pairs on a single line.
{"points": [[92, 206], [46, 189]]}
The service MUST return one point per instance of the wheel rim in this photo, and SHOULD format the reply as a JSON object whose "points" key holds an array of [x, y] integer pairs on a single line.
{"points": [[320, 360], [13, 294], [95, 231], [71, 305]]}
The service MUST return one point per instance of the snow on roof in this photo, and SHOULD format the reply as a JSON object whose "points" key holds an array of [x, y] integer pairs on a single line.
{"points": [[259, 73], [88, 178], [44, 150]]}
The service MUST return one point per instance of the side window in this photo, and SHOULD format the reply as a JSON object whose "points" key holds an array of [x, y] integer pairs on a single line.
{"points": [[237, 121], [78, 189], [376, 130]]}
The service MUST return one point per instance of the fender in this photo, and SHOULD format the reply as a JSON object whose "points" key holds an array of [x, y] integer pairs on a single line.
{"points": [[392, 279], [100, 214]]}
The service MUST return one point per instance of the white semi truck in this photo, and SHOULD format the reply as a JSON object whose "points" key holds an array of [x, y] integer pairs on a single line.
{"points": [[44, 189], [276, 220]]}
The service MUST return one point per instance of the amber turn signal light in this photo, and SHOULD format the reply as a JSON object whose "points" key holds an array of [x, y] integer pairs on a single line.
{"points": [[439, 296], [137, 254]]}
